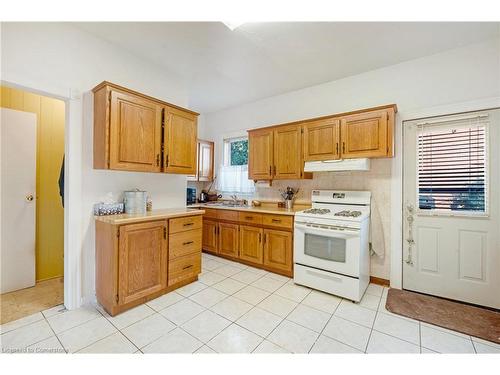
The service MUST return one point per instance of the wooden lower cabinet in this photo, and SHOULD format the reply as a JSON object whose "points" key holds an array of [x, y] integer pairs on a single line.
{"points": [[278, 249], [251, 249], [137, 262], [228, 240], [209, 236], [142, 260]]}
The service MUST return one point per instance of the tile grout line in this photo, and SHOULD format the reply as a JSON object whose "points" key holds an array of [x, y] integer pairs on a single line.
{"points": [[329, 319]]}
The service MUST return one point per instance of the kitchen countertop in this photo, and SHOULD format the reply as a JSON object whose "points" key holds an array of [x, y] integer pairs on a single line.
{"points": [[264, 209], [167, 213]]}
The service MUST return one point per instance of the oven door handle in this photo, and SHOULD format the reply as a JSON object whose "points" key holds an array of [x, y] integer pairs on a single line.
{"points": [[341, 233]]}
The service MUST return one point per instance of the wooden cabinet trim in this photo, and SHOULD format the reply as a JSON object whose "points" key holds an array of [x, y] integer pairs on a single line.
{"points": [[335, 115], [136, 93]]}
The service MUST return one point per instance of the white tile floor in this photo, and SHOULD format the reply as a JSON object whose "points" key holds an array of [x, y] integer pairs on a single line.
{"points": [[235, 308]]}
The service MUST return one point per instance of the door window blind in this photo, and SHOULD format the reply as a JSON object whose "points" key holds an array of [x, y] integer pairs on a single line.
{"points": [[452, 166]]}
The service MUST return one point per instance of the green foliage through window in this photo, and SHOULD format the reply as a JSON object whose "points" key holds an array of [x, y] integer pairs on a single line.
{"points": [[239, 152]]}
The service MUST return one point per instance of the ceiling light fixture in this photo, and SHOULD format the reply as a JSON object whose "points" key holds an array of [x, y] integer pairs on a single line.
{"points": [[232, 25]]}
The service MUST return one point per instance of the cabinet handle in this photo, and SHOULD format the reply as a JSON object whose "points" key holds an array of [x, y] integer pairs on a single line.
{"points": [[187, 224], [270, 172], [343, 147], [337, 148], [274, 170], [187, 267], [187, 243], [276, 221], [260, 237], [248, 217], [265, 237], [157, 160]]}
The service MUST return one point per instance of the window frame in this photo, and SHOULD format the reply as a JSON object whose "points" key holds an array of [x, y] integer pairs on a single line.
{"points": [[460, 214]]}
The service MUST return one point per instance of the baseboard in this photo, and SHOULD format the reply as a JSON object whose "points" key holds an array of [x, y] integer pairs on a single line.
{"points": [[379, 281]]}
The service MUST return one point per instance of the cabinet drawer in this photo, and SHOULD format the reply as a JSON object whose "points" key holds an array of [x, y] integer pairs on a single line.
{"points": [[250, 217], [184, 243], [210, 213], [183, 268], [182, 224], [279, 221], [227, 215]]}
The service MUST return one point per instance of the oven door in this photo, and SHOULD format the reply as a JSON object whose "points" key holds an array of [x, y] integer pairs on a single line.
{"points": [[330, 249]]}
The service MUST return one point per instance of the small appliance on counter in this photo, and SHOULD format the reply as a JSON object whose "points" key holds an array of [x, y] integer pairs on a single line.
{"points": [[190, 195], [135, 201], [203, 197]]}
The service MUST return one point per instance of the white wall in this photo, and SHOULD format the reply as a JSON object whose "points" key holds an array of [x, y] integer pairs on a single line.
{"points": [[461, 75], [62, 60]]}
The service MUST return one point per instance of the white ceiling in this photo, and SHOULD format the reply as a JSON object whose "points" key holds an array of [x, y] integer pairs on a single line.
{"points": [[224, 68]]}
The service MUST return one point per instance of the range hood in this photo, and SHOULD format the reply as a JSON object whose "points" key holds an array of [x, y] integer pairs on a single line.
{"points": [[337, 165]]}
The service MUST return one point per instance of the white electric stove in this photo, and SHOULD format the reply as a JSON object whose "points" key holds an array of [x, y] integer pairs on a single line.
{"points": [[331, 243]]}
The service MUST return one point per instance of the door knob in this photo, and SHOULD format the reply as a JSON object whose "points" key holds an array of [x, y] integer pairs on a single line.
{"points": [[29, 198]]}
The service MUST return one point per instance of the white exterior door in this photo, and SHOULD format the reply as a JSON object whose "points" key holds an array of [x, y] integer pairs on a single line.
{"points": [[451, 198], [18, 194]]}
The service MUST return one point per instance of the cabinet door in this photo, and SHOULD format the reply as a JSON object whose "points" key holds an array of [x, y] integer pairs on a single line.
{"points": [[135, 133], [365, 135], [251, 246], [209, 236], [287, 152], [278, 249], [321, 140], [142, 260], [205, 161], [228, 239], [260, 154], [180, 141]]}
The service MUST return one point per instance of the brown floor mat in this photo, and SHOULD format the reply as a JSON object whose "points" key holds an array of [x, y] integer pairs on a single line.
{"points": [[473, 321]]}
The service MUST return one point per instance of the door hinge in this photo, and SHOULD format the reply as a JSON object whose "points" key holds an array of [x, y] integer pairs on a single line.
{"points": [[116, 298], [165, 233]]}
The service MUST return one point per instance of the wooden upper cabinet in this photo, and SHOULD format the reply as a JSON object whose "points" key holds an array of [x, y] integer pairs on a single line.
{"points": [[287, 154], [278, 249], [251, 244], [205, 161], [228, 239], [128, 129], [368, 134], [260, 154], [321, 140], [142, 260], [180, 141], [135, 133]]}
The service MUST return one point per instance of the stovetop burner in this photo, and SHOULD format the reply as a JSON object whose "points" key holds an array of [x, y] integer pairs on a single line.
{"points": [[347, 213], [317, 211]]}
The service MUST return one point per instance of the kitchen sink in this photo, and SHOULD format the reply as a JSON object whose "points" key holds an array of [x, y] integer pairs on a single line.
{"points": [[226, 204]]}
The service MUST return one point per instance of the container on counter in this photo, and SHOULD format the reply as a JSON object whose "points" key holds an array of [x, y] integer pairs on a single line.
{"points": [[135, 201]]}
